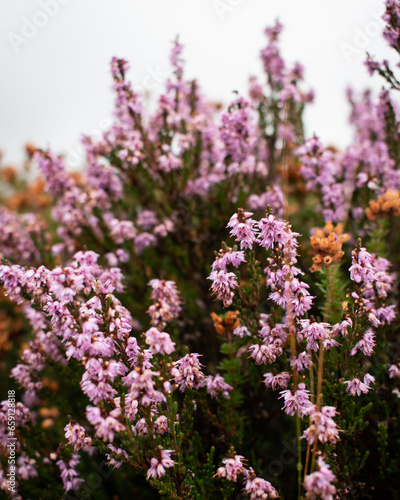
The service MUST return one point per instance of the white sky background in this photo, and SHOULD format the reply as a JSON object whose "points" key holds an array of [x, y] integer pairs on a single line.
{"points": [[57, 85]]}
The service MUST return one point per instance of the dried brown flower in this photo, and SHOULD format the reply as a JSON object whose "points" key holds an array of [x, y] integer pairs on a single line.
{"points": [[226, 324], [327, 245], [387, 205]]}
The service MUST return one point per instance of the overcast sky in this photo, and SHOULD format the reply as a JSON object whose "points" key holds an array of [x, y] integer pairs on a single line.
{"points": [[55, 82]]}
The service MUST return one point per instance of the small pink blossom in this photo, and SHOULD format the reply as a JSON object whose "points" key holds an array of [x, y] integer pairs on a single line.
{"points": [[231, 468]]}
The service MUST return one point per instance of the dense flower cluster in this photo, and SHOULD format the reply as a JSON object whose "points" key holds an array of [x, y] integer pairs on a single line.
{"points": [[122, 349]]}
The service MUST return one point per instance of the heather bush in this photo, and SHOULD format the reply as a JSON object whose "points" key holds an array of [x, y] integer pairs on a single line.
{"points": [[208, 309]]}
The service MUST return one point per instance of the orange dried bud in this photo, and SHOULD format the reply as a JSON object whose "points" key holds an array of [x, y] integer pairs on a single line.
{"points": [[328, 246], [387, 205], [324, 244], [220, 329], [315, 242], [30, 149], [317, 259]]}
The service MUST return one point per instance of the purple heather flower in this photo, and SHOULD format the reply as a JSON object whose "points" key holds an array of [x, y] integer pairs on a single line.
{"points": [[342, 328], [365, 345], [159, 342], [161, 425], [319, 483], [105, 427], [158, 466], [275, 382], [77, 438], [216, 386], [141, 385], [243, 228], [235, 258], [266, 352], [69, 475], [231, 468], [187, 372], [223, 285], [394, 371], [297, 402], [322, 426], [356, 387], [257, 487], [167, 303], [241, 331], [26, 467], [116, 464], [302, 362], [314, 332], [272, 231]]}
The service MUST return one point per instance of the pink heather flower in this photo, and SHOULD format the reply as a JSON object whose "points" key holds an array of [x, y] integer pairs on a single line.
{"points": [[143, 241], [257, 487], [314, 332], [319, 483], [158, 466], [161, 425], [116, 464], [342, 328], [394, 371], [365, 345], [77, 438], [237, 133], [267, 352], [241, 331], [216, 386], [302, 362], [22, 414], [224, 258], [223, 285], [159, 342], [26, 467], [386, 314], [272, 231], [167, 303], [141, 427], [322, 426], [122, 230], [105, 427], [232, 468], [362, 269], [141, 385], [146, 219], [297, 402], [356, 387], [69, 475], [243, 228], [187, 372], [276, 382]]}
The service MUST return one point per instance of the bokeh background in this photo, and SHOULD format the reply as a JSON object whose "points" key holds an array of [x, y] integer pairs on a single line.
{"points": [[55, 81]]}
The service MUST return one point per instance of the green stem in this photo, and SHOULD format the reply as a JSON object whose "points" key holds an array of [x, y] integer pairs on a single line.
{"points": [[299, 462], [331, 273]]}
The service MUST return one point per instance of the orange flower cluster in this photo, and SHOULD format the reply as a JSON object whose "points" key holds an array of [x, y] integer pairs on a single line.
{"points": [[327, 245], [227, 323], [33, 197], [385, 206]]}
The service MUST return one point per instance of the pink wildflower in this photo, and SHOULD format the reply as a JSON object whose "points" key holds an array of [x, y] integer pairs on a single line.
{"points": [[319, 483]]}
